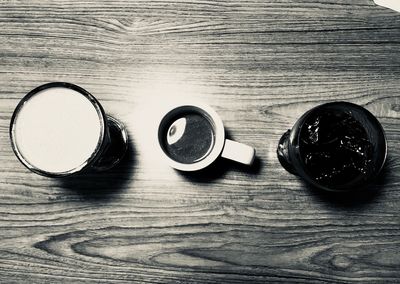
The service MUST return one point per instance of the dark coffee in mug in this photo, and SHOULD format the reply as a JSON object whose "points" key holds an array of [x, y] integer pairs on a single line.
{"points": [[188, 137], [191, 137]]}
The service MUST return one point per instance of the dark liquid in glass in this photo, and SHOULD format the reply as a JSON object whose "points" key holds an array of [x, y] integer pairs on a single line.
{"points": [[335, 148], [189, 138]]}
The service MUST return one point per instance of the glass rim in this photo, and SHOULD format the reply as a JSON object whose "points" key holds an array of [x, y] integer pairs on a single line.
{"points": [[100, 144], [296, 140]]}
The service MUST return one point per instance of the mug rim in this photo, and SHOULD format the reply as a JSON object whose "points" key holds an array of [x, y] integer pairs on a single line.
{"points": [[100, 144], [218, 128]]}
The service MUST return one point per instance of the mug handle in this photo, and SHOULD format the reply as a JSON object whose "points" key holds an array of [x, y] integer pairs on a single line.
{"points": [[238, 152]]}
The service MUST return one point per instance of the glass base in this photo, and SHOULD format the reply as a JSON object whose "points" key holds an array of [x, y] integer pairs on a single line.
{"points": [[117, 147], [283, 153]]}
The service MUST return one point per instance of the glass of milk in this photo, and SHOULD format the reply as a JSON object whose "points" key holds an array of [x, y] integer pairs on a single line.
{"points": [[59, 129]]}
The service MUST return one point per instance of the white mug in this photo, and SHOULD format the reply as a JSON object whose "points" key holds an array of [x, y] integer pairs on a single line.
{"points": [[192, 136]]}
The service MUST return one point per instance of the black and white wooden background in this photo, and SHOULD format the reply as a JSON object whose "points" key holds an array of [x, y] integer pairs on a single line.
{"points": [[260, 64]]}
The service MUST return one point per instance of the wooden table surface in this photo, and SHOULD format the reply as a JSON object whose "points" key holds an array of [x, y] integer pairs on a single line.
{"points": [[260, 64]]}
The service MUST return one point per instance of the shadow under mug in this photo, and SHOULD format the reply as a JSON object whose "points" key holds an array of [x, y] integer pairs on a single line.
{"points": [[292, 149], [110, 141], [192, 136]]}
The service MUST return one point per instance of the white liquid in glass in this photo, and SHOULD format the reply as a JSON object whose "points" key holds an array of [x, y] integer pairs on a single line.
{"points": [[57, 130]]}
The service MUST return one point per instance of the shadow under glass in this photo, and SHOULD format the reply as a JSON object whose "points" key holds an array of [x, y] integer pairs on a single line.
{"points": [[188, 137]]}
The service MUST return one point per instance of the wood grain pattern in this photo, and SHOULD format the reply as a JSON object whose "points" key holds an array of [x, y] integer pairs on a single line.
{"points": [[260, 64]]}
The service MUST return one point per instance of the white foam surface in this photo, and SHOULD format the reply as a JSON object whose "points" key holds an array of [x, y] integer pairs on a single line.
{"points": [[57, 130]]}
